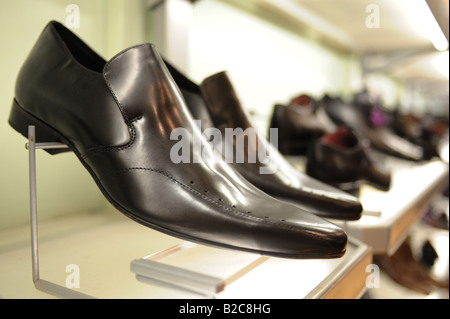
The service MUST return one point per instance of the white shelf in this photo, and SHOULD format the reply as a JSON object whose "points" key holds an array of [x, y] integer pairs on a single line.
{"points": [[104, 244], [414, 187], [388, 216], [231, 274]]}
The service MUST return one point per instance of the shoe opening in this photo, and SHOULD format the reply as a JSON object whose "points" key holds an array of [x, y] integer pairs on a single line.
{"points": [[302, 100], [342, 137], [80, 51]]}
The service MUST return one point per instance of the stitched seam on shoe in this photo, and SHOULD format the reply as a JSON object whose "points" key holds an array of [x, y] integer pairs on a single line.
{"points": [[212, 201], [105, 149], [119, 105], [108, 82]]}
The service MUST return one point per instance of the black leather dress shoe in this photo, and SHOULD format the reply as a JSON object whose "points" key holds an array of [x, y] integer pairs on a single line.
{"points": [[215, 103], [417, 130], [355, 115], [118, 116], [342, 159], [297, 125]]}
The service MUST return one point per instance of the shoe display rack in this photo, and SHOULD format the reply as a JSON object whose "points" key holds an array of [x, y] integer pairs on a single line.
{"points": [[182, 269]]}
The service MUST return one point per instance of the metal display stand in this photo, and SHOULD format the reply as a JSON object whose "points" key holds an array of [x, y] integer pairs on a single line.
{"points": [[42, 284], [205, 270]]}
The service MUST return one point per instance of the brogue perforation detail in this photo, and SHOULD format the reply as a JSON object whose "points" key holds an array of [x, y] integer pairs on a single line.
{"points": [[232, 209]]}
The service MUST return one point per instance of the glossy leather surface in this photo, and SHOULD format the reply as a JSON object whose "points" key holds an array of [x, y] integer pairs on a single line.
{"points": [[381, 138], [117, 117], [346, 165], [220, 107]]}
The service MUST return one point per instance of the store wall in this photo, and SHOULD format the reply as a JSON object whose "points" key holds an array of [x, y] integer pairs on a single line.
{"points": [[267, 64], [64, 186]]}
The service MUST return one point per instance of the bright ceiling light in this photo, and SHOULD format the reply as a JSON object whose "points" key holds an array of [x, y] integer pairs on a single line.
{"points": [[431, 27]]}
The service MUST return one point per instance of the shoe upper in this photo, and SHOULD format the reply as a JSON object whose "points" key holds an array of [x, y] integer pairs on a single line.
{"points": [[297, 124], [342, 157], [118, 117]]}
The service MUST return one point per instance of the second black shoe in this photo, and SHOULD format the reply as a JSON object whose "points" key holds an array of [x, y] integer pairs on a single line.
{"points": [[118, 117], [297, 124], [215, 103]]}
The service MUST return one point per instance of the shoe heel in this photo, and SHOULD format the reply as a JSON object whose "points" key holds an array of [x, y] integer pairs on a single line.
{"points": [[19, 120]]}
